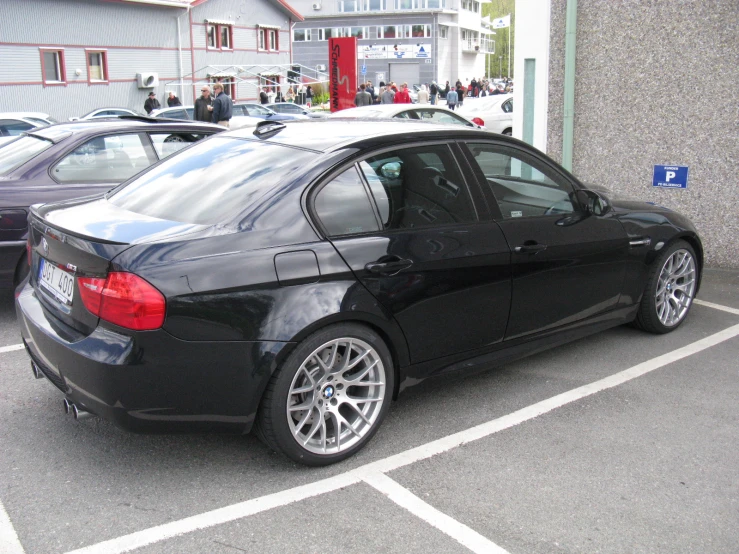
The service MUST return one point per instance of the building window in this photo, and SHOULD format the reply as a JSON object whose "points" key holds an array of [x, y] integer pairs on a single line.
{"points": [[443, 31], [376, 5], [329, 33], [52, 67], [274, 40], [359, 32], [404, 4], [421, 31], [220, 37], [389, 32], [301, 35], [97, 66]]}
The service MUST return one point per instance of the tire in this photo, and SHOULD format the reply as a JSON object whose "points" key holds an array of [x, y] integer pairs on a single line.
{"points": [[318, 376], [508, 132], [670, 289]]}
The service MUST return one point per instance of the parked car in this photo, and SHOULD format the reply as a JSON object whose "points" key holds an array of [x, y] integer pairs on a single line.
{"points": [[432, 114], [299, 276], [294, 109], [76, 159], [260, 111], [104, 112], [14, 123], [496, 111], [186, 113]]}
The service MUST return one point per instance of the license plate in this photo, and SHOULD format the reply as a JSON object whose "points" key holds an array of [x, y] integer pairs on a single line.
{"points": [[58, 282]]}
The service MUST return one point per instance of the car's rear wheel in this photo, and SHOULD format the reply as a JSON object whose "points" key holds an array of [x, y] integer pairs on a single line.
{"points": [[329, 397], [670, 289], [508, 132]]}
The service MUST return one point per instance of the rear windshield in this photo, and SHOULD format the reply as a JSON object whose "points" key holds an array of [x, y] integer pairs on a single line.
{"points": [[212, 182], [14, 154]]}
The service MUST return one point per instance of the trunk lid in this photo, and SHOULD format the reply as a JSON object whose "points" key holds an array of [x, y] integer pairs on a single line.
{"points": [[81, 238]]}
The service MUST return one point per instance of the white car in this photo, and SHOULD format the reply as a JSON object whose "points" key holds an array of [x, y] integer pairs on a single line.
{"points": [[495, 110], [13, 124], [424, 112], [188, 113], [104, 112]]}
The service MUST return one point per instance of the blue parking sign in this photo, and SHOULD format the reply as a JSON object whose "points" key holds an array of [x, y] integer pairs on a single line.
{"points": [[670, 176]]}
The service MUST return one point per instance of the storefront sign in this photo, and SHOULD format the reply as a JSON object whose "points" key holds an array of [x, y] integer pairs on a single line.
{"points": [[342, 72]]}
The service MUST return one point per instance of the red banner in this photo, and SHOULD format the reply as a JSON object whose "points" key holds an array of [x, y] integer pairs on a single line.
{"points": [[342, 55]]}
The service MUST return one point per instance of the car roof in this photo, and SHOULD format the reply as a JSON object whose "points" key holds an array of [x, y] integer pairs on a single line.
{"points": [[38, 115], [324, 135], [56, 132]]}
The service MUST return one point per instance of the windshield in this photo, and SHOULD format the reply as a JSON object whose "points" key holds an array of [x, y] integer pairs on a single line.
{"points": [[211, 182], [14, 154]]}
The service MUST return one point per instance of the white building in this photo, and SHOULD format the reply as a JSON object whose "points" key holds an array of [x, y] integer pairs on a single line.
{"points": [[413, 41]]}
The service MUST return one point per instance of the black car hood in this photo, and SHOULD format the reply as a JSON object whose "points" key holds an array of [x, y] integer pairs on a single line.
{"points": [[101, 220]]}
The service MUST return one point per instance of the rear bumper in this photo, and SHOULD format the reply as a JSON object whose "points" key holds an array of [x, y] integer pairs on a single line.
{"points": [[150, 381]]}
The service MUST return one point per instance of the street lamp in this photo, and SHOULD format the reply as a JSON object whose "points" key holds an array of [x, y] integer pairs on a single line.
{"points": [[500, 67]]}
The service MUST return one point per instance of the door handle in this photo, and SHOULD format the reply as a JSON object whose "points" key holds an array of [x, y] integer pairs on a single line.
{"points": [[389, 266], [530, 248]]}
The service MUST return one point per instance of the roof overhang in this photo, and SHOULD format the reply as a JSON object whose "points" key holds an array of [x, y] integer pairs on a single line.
{"points": [[282, 5]]}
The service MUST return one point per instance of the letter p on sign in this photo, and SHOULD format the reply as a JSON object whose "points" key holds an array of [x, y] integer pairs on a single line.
{"points": [[669, 175]]}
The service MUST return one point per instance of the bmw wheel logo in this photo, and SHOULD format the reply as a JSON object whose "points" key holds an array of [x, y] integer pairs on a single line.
{"points": [[328, 392], [45, 246]]}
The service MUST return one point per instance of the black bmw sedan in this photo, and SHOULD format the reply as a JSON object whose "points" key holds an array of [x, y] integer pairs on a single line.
{"points": [[296, 278], [76, 159]]}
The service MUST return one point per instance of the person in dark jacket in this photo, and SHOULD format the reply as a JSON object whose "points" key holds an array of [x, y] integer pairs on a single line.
{"points": [[173, 101], [222, 106], [204, 106], [263, 98], [309, 96], [152, 103]]}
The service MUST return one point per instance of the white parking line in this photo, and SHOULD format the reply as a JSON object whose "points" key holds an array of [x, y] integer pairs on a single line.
{"points": [[456, 530], [11, 348], [716, 306], [152, 535], [9, 543]]}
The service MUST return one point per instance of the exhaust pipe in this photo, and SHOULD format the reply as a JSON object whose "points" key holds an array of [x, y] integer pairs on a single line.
{"points": [[80, 413], [67, 406], [37, 373]]}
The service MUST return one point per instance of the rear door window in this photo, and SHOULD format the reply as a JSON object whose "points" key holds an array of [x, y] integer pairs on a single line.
{"points": [[106, 159], [418, 187]]}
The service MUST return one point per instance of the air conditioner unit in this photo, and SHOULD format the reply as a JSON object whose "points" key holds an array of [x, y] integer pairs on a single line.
{"points": [[317, 6], [147, 80], [320, 67]]}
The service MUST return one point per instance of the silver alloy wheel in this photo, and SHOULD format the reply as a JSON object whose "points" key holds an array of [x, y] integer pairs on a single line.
{"points": [[336, 396], [675, 288]]}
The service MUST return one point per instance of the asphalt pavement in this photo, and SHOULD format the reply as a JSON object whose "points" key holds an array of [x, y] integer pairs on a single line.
{"points": [[571, 450]]}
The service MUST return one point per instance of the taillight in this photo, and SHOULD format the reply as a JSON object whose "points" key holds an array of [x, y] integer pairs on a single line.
{"points": [[479, 121], [124, 299]]}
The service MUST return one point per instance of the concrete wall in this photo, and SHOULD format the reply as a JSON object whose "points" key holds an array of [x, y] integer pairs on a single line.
{"points": [[656, 83]]}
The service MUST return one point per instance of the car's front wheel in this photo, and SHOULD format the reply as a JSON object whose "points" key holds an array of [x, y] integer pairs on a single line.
{"points": [[670, 289], [329, 397]]}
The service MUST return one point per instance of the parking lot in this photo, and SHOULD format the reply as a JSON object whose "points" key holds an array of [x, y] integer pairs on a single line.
{"points": [[620, 442]]}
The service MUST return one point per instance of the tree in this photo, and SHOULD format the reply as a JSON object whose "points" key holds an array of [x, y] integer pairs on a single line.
{"points": [[496, 9]]}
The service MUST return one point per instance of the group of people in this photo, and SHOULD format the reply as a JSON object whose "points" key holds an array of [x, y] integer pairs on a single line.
{"points": [[389, 93], [272, 94], [216, 108]]}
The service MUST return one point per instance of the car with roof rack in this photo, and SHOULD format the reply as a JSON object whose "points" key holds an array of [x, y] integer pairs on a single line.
{"points": [[69, 160]]}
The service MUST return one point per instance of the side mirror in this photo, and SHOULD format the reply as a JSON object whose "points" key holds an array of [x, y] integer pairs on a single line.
{"points": [[594, 202], [390, 170]]}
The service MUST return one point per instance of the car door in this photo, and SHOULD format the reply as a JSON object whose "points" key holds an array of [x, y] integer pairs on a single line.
{"points": [[567, 265], [419, 238]]}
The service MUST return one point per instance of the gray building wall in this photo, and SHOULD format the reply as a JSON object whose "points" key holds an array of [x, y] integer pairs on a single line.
{"points": [[137, 38], [656, 83]]}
